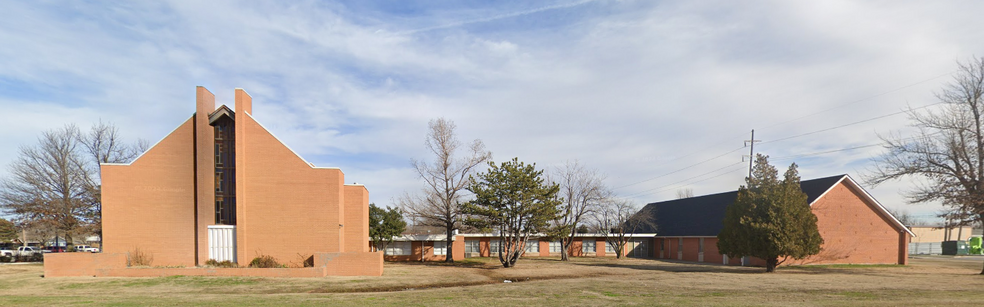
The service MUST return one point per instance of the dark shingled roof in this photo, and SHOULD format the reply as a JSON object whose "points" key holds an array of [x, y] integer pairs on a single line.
{"points": [[703, 215]]}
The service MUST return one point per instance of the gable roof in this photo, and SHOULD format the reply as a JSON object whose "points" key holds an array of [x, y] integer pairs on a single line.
{"points": [[703, 216], [219, 113]]}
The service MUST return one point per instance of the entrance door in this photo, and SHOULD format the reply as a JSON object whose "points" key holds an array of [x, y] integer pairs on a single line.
{"points": [[222, 242], [638, 248]]}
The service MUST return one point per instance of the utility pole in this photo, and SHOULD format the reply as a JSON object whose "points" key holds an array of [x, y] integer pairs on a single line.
{"points": [[751, 152]]}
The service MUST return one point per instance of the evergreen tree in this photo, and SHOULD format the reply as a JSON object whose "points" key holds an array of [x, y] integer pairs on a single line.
{"points": [[384, 224], [513, 201], [770, 218], [7, 231]]}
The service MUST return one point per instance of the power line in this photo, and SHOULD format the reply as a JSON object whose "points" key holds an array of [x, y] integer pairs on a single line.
{"points": [[850, 124], [863, 99], [804, 134], [825, 152], [682, 169], [848, 148], [647, 192], [668, 187]]}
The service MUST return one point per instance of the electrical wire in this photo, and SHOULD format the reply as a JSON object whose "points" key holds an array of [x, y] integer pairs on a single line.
{"points": [[849, 124], [646, 192], [863, 99], [682, 169], [668, 187]]}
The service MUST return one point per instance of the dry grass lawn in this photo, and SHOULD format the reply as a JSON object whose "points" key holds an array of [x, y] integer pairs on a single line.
{"points": [[534, 282]]}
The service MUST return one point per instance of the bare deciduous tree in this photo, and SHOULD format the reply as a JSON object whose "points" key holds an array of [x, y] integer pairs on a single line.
{"points": [[948, 151], [685, 193], [904, 217], [49, 184], [618, 219], [446, 179], [103, 144], [582, 192], [54, 185]]}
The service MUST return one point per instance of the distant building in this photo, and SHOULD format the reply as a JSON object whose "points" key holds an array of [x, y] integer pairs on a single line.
{"points": [[855, 227], [428, 247], [929, 238]]}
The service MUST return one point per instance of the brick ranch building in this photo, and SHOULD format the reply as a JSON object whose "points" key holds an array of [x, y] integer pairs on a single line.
{"points": [[855, 227], [427, 247], [221, 186]]}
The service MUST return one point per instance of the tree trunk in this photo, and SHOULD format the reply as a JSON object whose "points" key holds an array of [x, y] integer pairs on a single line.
{"points": [[449, 255], [513, 257], [770, 265], [563, 251]]}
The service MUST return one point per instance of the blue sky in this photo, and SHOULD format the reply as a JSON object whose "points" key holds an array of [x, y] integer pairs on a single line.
{"points": [[636, 89]]}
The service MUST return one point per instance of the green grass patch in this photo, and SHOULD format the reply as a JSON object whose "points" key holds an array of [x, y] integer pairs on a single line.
{"points": [[855, 294], [844, 266]]}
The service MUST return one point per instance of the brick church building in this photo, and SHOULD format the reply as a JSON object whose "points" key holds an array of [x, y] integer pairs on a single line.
{"points": [[221, 186]]}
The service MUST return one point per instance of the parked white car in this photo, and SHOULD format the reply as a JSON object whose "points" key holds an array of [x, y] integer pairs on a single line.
{"points": [[27, 251], [86, 248]]}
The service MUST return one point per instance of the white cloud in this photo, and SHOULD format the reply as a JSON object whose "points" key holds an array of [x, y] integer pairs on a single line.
{"points": [[636, 89]]}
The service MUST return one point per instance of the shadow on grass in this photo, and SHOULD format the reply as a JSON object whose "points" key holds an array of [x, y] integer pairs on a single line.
{"points": [[675, 266]]}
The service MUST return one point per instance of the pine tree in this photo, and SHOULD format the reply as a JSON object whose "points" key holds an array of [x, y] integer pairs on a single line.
{"points": [[384, 224], [514, 201], [770, 218]]}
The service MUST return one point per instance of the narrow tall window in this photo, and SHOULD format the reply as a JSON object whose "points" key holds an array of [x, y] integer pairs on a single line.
{"points": [[218, 181], [533, 246], [494, 246], [218, 154], [440, 248], [588, 246], [225, 165]]}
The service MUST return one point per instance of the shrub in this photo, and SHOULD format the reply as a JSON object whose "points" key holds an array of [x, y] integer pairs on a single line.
{"points": [[222, 264], [137, 257], [264, 261]]}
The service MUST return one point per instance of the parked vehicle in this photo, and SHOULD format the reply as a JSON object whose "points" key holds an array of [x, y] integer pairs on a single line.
{"points": [[86, 248], [4, 252], [27, 251], [54, 249]]}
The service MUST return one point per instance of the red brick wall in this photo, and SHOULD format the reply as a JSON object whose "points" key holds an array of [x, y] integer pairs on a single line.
{"points": [[575, 249], [853, 230], [285, 208], [690, 249], [459, 248], [150, 203], [103, 264], [356, 218], [205, 174]]}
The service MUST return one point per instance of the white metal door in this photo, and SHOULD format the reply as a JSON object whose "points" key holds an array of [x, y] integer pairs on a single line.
{"points": [[222, 242]]}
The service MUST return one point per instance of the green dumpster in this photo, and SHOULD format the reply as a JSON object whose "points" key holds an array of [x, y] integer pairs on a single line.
{"points": [[955, 248]]}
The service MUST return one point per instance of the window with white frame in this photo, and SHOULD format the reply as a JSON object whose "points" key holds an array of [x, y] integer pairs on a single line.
{"points": [[588, 246], [399, 248], [555, 246], [533, 246], [700, 246], [494, 248], [609, 248], [472, 246], [440, 248]]}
